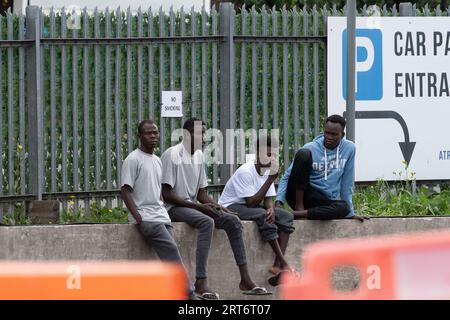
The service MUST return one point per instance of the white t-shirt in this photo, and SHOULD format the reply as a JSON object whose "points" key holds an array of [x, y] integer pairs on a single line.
{"points": [[184, 172], [244, 183], [142, 172]]}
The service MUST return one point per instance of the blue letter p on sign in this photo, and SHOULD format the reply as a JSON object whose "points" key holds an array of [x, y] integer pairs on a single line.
{"points": [[369, 67]]}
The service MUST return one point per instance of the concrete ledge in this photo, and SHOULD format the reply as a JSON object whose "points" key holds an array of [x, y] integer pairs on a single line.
{"points": [[123, 242]]}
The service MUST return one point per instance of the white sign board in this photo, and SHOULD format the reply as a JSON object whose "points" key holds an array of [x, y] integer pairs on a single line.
{"points": [[171, 104], [402, 94]]}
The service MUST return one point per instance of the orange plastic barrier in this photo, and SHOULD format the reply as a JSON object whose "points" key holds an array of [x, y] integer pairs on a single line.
{"points": [[74, 280], [414, 266]]}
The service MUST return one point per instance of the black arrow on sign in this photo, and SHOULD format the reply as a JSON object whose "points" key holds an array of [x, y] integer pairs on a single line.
{"points": [[407, 147]]}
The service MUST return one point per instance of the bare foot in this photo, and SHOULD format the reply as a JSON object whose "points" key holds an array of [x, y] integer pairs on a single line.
{"points": [[201, 286], [247, 285], [274, 269]]}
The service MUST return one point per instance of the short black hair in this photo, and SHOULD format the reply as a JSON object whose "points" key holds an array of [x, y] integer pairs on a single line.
{"points": [[144, 122], [335, 118], [189, 123]]}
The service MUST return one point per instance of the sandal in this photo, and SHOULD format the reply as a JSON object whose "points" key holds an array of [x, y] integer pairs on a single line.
{"points": [[275, 280], [257, 291], [208, 296]]}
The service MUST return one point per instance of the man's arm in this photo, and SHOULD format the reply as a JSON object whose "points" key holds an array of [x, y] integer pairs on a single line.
{"points": [[203, 197], [169, 179], [282, 187], [171, 197], [128, 177], [125, 193], [270, 211], [257, 198]]}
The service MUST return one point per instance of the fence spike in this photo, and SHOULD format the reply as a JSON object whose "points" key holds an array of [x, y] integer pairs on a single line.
{"points": [[394, 10], [426, 10], [324, 9]]}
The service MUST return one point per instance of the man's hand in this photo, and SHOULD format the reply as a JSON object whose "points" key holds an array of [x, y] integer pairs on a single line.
{"points": [[360, 218], [138, 218], [270, 217], [226, 210], [278, 204], [209, 210]]}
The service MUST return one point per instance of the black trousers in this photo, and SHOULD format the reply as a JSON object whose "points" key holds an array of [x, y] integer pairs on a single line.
{"points": [[319, 206]]}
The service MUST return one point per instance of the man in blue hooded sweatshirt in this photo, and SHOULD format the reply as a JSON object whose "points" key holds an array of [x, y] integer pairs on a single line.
{"points": [[318, 185]]}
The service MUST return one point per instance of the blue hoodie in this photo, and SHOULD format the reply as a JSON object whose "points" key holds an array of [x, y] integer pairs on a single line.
{"points": [[338, 180]]}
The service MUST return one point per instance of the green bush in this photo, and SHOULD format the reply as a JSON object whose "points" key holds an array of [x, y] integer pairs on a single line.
{"points": [[398, 199], [97, 214]]}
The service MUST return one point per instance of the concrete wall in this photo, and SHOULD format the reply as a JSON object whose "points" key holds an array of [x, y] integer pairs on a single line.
{"points": [[123, 242]]}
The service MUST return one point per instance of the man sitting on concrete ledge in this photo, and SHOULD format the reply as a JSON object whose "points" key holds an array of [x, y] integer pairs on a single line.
{"points": [[184, 191], [141, 192], [318, 185], [249, 192]]}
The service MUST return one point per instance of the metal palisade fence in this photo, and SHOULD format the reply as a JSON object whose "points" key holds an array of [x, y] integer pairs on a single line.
{"points": [[74, 85]]}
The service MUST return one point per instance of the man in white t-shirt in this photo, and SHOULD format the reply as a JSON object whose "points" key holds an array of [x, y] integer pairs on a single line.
{"points": [[249, 192], [184, 191], [141, 192]]}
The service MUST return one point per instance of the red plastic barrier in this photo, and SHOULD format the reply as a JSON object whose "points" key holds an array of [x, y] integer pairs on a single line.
{"points": [[74, 280], [413, 266]]}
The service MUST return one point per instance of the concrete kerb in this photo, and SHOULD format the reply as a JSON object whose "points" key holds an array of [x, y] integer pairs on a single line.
{"points": [[123, 242]]}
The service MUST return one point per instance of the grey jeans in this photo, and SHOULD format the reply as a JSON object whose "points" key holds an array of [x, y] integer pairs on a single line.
{"points": [[160, 237], [284, 220], [205, 226]]}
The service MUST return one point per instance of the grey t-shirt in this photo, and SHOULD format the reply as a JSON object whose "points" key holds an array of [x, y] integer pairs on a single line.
{"points": [[142, 172], [184, 172]]}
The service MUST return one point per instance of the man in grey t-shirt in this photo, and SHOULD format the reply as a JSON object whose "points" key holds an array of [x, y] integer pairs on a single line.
{"points": [[141, 192], [184, 191]]}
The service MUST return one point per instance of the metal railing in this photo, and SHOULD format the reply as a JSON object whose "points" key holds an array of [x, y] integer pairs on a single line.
{"points": [[71, 99]]}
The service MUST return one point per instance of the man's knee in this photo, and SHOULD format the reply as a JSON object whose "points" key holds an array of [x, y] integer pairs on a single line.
{"points": [[232, 223], [285, 220], [304, 155], [206, 224], [284, 216], [342, 209], [260, 216]]}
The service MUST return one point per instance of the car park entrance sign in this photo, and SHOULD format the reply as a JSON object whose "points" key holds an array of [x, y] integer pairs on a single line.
{"points": [[402, 84]]}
